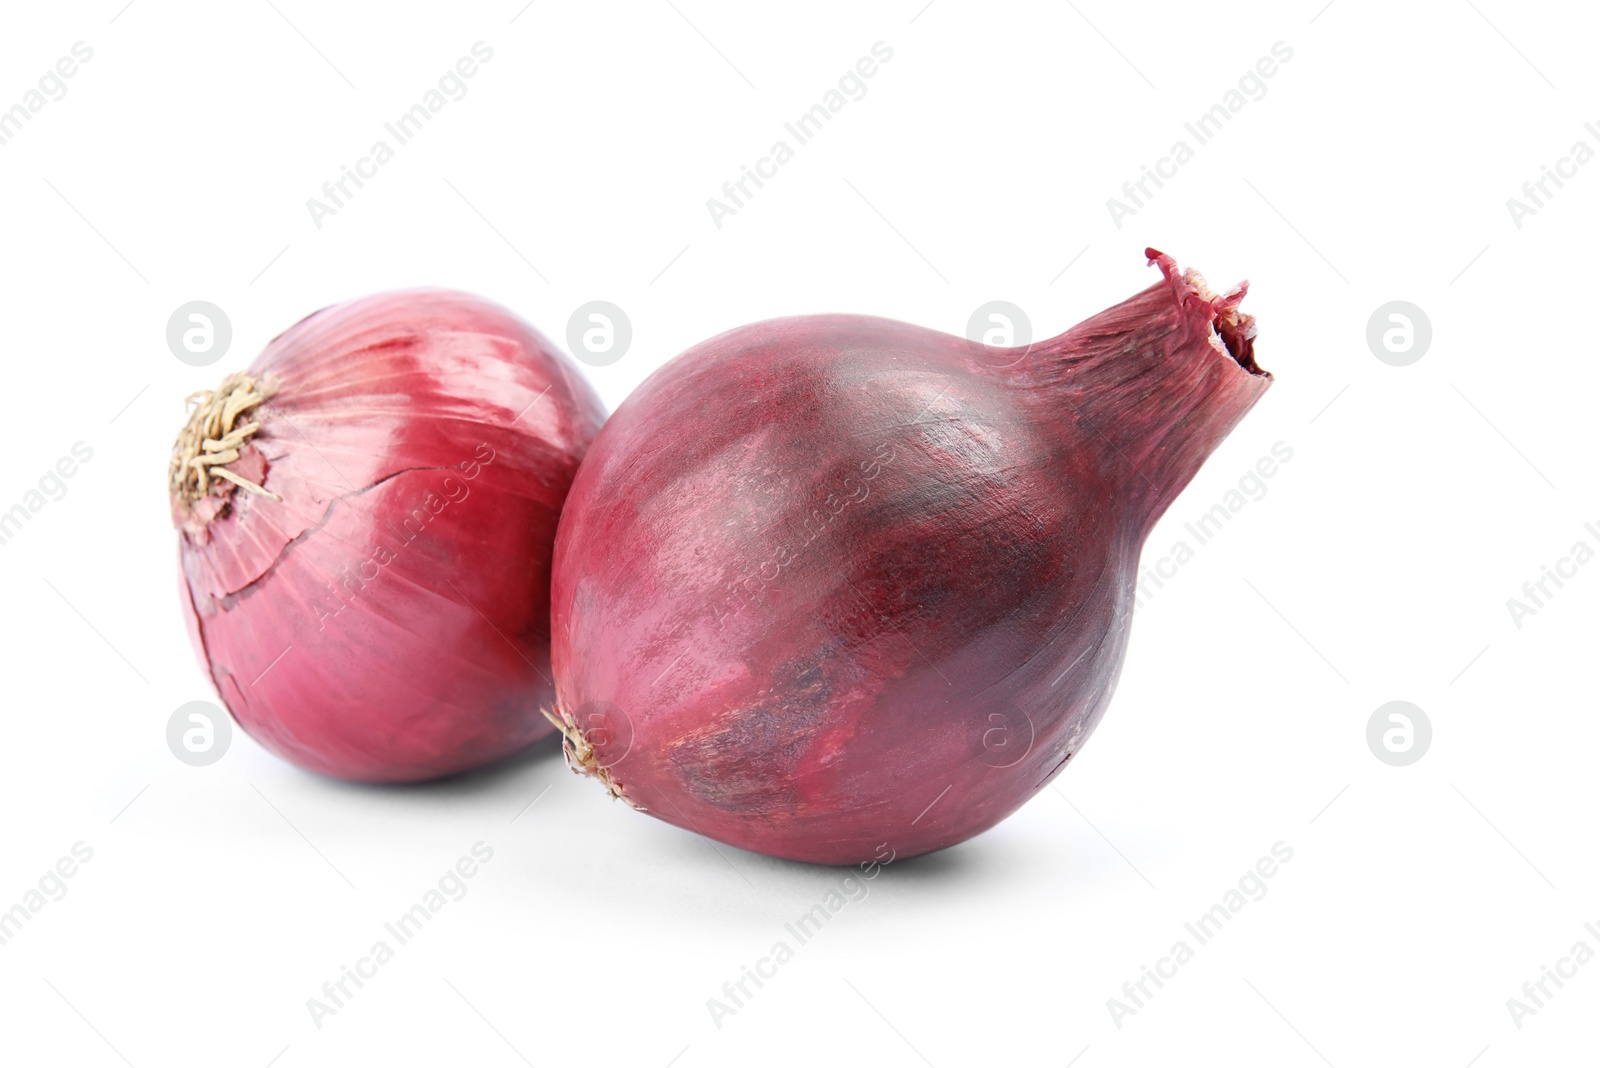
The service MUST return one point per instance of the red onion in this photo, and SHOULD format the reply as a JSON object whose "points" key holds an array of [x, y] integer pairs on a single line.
{"points": [[366, 522], [829, 583]]}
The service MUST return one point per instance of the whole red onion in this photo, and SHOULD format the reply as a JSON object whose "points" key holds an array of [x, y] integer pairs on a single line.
{"points": [[366, 522], [831, 584]]}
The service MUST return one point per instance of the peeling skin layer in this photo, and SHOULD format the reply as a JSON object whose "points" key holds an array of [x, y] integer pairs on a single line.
{"points": [[835, 583], [386, 619]]}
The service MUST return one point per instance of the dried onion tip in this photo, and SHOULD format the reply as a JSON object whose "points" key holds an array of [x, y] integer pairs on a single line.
{"points": [[213, 438]]}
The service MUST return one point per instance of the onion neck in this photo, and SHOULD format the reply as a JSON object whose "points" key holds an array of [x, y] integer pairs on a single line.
{"points": [[1158, 380]]}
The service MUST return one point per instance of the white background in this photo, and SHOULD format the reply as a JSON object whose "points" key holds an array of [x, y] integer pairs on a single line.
{"points": [[977, 167]]}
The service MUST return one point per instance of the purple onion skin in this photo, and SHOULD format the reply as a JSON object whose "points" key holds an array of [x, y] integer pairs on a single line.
{"points": [[387, 620], [832, 586]]}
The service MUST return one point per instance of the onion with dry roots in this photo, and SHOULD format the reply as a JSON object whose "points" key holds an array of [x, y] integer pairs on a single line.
{"points": [[832, 584], [366, 518]]}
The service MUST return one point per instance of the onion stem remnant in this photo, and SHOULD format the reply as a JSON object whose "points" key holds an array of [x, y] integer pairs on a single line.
{"points": [[210, 440]]}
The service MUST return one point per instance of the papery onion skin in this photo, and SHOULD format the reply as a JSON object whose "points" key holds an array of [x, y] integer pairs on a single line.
{"points": [[835, 585], [387, 620]]}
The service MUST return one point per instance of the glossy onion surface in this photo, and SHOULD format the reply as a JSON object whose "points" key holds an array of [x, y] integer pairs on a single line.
{"points": [[379, 611]]}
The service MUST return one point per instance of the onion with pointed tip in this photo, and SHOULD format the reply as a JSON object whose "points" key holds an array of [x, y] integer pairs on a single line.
{"points": [[832, 584]]}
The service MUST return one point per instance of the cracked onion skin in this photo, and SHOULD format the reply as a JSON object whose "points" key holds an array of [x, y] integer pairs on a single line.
{"points": [[835, 586], [386, 617]]}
